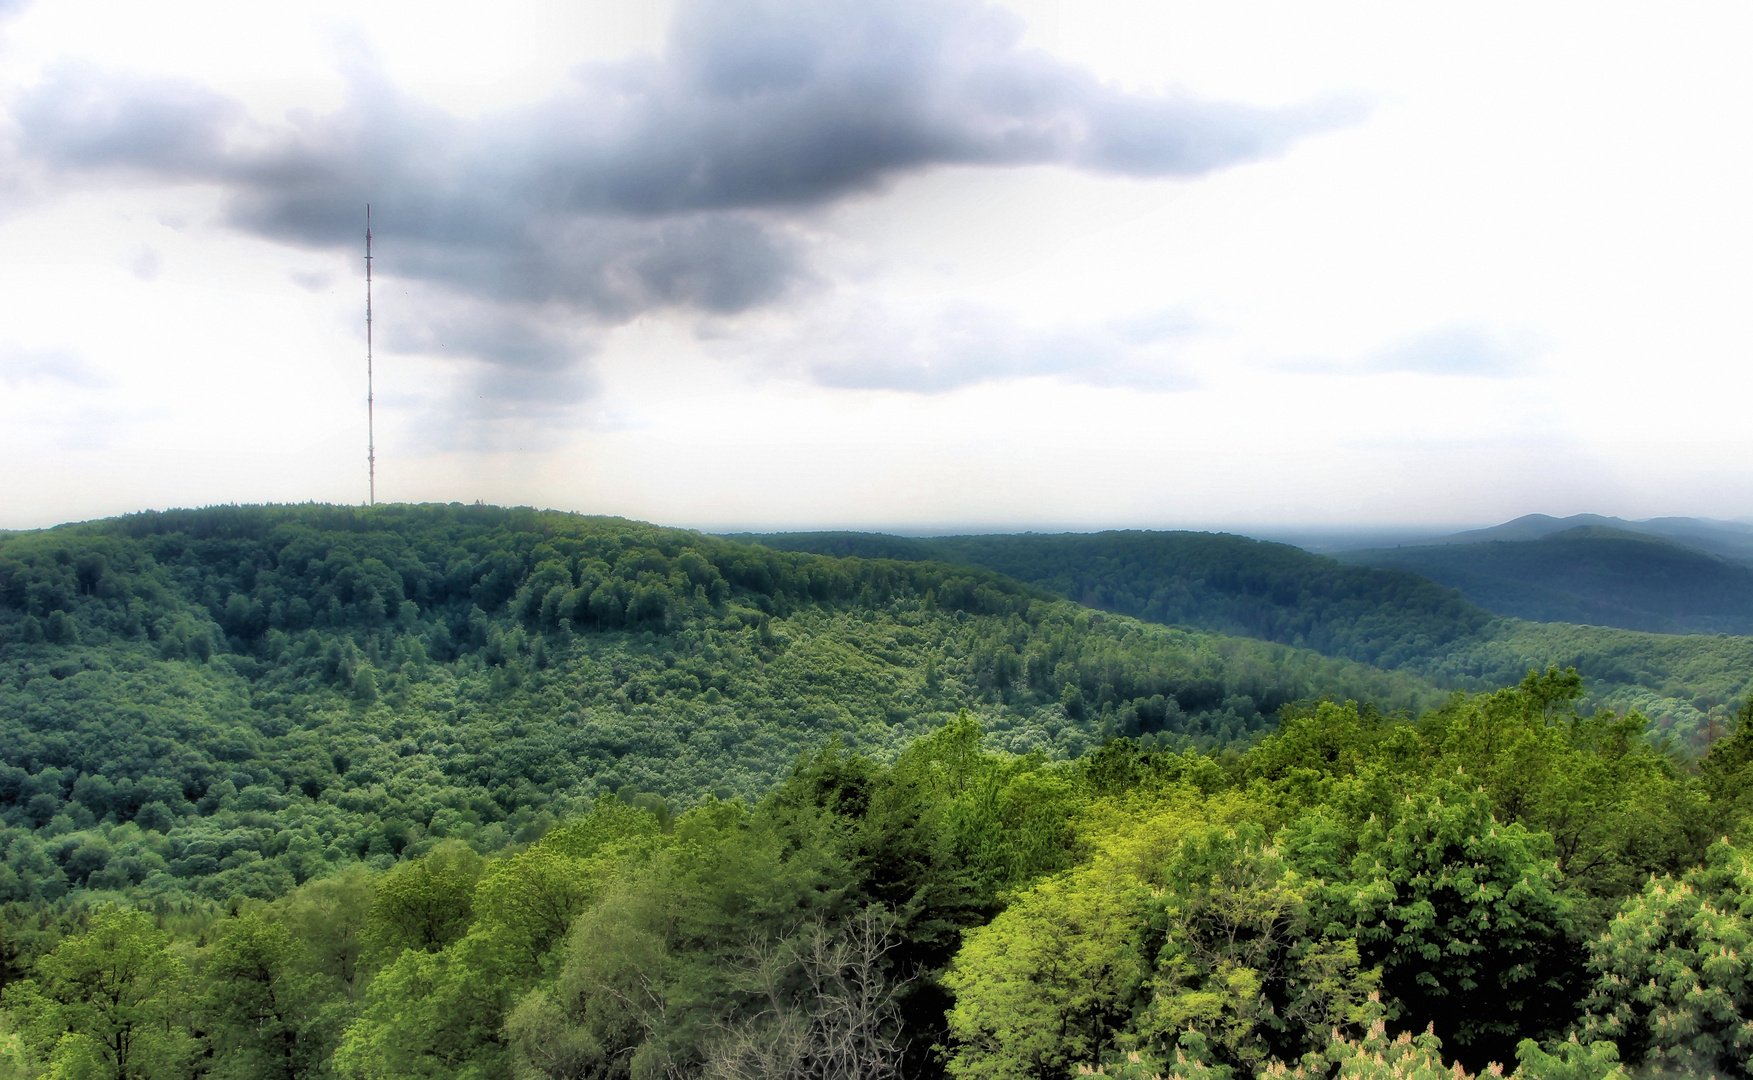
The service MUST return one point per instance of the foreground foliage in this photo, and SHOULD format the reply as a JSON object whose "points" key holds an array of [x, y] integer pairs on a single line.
{"points": [[1502, 884]]}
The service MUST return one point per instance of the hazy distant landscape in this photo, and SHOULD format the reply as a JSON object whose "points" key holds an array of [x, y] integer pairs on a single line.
{"points": [[875, 540]]}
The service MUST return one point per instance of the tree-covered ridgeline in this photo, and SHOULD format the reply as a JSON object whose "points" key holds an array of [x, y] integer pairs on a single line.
{"points": [[1386, 615], [1592, 574], [1500, 879], [1213, 581], [236, 701]]}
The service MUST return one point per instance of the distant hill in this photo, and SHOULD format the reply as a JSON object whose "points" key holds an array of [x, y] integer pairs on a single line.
{"points": [[1400, 614], [1213, 581], [1589, 574], [228, 702], [1732, 539]]}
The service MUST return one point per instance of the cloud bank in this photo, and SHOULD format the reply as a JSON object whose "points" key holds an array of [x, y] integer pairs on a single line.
{"points": [[676, 181]]}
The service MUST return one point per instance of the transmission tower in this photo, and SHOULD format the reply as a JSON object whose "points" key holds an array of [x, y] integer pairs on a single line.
{"points": [[370, 400]]}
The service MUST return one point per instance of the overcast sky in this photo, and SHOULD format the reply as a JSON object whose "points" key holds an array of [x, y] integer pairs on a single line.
{"points": [[881, 263]]}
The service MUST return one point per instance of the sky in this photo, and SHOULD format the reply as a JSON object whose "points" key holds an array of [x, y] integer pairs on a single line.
{"points": [[926, 265]]}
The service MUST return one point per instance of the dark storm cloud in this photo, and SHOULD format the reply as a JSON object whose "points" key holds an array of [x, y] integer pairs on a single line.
{"points": [[533, 369], [657, 182]]}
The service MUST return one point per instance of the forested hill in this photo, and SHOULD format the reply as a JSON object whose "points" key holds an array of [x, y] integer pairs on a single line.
{"points": [[1213, 581], [408, 793], [234, 700], [1589, 574], [1385, 615], [1733, 539]]}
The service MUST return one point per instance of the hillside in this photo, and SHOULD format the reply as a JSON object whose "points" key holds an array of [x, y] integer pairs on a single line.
{"points": [[1213, 581], [1731, 539], [254, 695], [1589, 574], [411, 792], [1392, 616]]}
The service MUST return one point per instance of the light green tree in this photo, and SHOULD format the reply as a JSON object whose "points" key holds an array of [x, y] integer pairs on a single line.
{"points": [[1674, 971], [108, 1004], [1048, 983], [1235, 953], [441, 1012], [423, 904]]}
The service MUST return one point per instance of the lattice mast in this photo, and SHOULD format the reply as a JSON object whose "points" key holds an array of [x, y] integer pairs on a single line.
{"points": [[370, 400]]}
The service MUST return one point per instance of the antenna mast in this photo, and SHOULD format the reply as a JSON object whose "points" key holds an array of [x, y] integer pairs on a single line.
{"points": [[370, 405]]}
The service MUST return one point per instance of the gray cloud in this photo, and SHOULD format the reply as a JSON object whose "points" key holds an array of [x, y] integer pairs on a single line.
{"points": [[666, 181], [1458, 350], [533, 370], [83, 118]]}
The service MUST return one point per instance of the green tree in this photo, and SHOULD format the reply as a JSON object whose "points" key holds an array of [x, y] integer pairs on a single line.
{"points": [[328, 917], [432, 1016], [442, 1012], [423, 904], [1616, 807], [108, 1004], [263, 1002], [1571, 1059], [1672, 979], [1466, 916], [528, 901], [1048, 983], [1233, 951], [1727, 771]]}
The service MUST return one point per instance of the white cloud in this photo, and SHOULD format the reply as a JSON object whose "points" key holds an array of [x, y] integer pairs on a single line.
{"points": [[1524, 271]]}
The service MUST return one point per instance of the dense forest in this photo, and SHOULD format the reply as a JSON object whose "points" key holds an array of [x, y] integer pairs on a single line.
{"points": [[1501, 882], [1380, 612], [232, 701], [448, 791]]}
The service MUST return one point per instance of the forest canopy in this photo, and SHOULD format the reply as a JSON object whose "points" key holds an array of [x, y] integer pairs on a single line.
{"points": [[1500, 880], [359, 794], [236, 700], [1385, 614]]}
